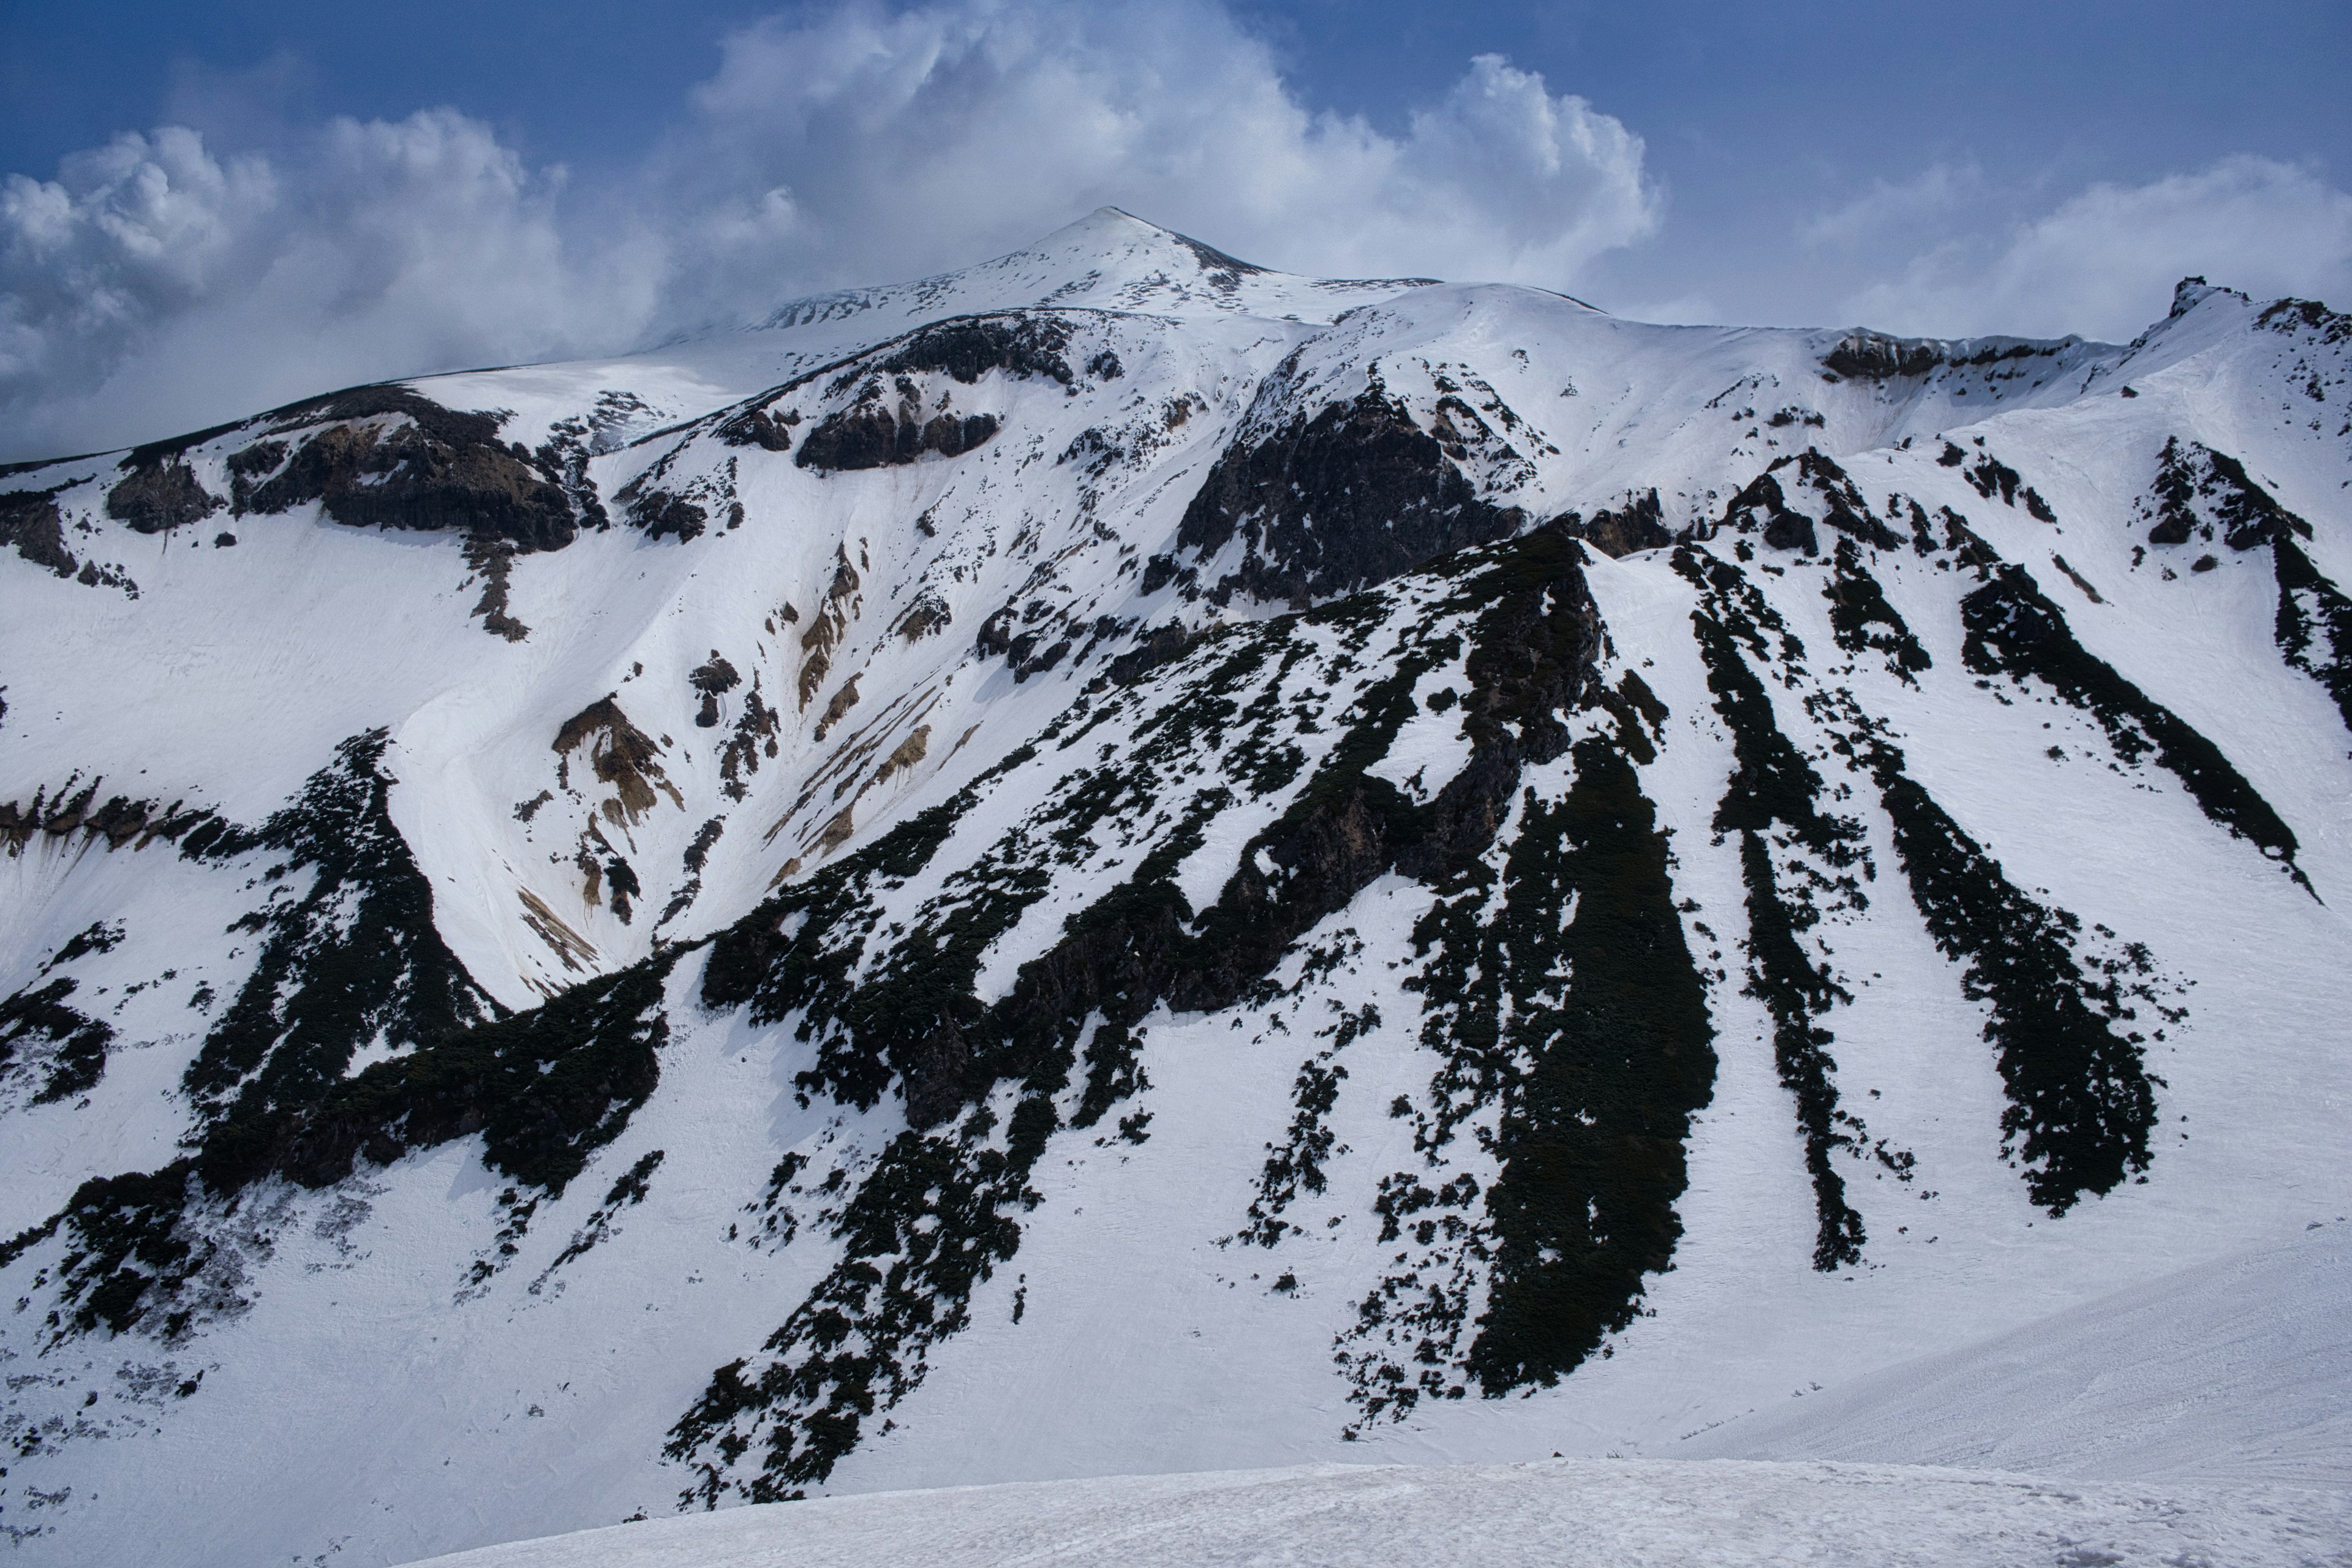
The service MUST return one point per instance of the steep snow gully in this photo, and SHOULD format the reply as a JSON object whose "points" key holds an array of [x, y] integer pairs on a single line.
{"points": [[1118, 864]]}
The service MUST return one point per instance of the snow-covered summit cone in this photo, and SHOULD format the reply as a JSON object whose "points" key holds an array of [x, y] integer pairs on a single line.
{"points": [[1118, 862], [1109, 259]]}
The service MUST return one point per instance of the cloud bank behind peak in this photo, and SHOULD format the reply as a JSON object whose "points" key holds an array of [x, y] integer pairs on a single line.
{"points": [[158, 282]]}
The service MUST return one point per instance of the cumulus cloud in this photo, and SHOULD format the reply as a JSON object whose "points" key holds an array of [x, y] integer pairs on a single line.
{"points": [[879, 141], [158, 282], [155, 283], [2102, 262]]}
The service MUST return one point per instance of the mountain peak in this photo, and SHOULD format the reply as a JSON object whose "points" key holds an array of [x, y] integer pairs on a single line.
{"points": [[1109, 259]]}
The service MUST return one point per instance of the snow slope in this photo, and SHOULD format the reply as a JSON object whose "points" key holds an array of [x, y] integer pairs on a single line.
{"points": [[1118, 864], [2230, 1371], [1658, 1514]]}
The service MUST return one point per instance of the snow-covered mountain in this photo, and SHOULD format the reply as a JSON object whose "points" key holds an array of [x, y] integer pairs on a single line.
{"points": [[1116, 862]]}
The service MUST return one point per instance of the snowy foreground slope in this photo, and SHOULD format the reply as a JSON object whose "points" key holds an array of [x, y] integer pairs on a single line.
{"points": [[1589, 1513], [2185, 1402], [1118, 864]]}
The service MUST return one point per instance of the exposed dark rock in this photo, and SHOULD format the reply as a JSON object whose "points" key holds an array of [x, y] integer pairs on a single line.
{"points": [[1639, 526], [926, 616], [1163, 645], [390, 457], [159, 493], [2331, 327], [970, 348], [664, 516], [1344, 499], [249, 467], [713, 679], [30, 521], [493, 559], [872, 437], [1874, 356], [619, 755], [757, 427], [118, 821]]}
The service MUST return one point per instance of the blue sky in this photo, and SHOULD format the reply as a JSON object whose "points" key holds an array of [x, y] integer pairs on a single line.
{"points": [[241, 199]]}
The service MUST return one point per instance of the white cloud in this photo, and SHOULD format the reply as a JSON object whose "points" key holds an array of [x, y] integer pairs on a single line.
{"points": [[156, 283], [2102, 263], [1891, 212], [866, 144]]}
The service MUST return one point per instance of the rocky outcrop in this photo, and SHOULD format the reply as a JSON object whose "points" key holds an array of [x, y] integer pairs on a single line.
{"points": [[30, 521], [1342, 499], [875, 437], [390, 457], [158, 492]]}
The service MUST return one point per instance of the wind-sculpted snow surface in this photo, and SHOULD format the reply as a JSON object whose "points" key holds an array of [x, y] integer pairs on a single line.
{"points": [[1118, 862]]}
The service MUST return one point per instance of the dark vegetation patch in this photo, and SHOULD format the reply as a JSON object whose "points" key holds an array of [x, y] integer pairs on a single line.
{"points": [[1296, 1165], [2314, 624], [2014, 630], [40, 1033], [2199, 493], [924, 1228], [1989, 477], [627, 1192], [754, 736], [544, 1088], [1773, 800], [1863, 621], [1764, 508], [1592, 1140], [351, 957], [856, 1345], [2082, 1101], [1339, 500]]}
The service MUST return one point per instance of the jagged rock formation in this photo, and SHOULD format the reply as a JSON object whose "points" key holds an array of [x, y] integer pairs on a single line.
{"points": [[1118, 861]]}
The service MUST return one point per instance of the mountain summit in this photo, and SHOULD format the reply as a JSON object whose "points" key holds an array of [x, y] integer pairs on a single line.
{"points": [[1118, 862]]}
